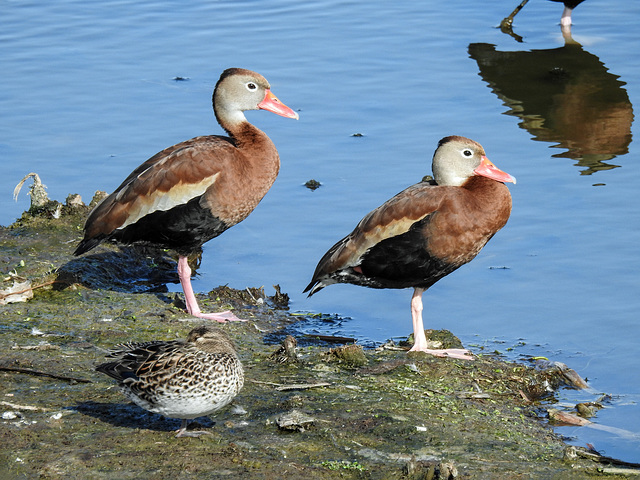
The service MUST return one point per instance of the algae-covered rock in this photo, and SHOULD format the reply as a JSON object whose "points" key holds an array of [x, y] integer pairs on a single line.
{"points": [[348, 355], [437, 339]]}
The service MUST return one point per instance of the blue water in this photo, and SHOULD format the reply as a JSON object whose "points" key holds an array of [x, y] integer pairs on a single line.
{"points": [[87, 93]]}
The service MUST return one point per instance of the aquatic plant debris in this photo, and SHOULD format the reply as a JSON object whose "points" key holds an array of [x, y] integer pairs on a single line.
{"points": [[37, 191], [20, 291]]}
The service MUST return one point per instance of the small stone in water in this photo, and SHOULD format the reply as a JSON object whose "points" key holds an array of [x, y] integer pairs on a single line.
{"points": [[312, 184]]}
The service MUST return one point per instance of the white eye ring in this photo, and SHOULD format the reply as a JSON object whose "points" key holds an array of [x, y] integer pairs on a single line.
{"points": [[251, 86], [467, 153]]}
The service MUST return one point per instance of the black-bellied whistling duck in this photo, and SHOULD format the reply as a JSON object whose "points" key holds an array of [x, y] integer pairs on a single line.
{"points": [[191, 192], [425, 232]]}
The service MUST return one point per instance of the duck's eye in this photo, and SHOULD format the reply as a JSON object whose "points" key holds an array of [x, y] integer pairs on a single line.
{"points": [[467, 153], [251, 86]]}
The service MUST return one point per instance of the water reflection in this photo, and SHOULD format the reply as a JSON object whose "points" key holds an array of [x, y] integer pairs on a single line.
{"points": [[506, 25], [563, 95]]}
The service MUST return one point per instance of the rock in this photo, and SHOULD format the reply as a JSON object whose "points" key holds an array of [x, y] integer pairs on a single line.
{"points": [[587, 410], [559, 417], [421, 470], [559, 374], [295, 421], [349, 355], [312, 184]]}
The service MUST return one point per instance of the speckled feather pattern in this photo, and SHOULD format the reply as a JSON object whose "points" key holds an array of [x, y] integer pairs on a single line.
{"points": [[178, 379]]}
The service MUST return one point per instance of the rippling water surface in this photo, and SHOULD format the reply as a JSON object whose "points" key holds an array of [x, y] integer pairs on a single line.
{"points": [[88, 93]]}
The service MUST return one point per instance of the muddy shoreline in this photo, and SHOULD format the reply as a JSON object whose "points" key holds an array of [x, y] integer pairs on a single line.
{"points": [[330, 411]]}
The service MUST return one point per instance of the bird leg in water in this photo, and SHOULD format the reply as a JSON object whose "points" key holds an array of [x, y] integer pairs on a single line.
{"points": [[565, 20], [184, 273], [419, 338]]}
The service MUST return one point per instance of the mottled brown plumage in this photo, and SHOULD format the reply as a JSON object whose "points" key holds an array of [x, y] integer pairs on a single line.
{"points": [[178, 379], [286, 352], [425, 232], [191, 192]]}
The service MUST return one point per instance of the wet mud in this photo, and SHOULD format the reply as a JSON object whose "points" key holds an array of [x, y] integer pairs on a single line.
{"points": [[309, 409]]}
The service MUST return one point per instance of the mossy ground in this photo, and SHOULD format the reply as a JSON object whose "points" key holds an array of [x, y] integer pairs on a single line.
{"points": [[380, 414]]}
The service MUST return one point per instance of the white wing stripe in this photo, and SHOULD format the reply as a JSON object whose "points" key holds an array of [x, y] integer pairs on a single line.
{"points": [[180, 194]]}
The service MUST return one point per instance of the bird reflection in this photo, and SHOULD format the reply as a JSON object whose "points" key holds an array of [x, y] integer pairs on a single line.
{"points": [[506, 25], [563, 95]]}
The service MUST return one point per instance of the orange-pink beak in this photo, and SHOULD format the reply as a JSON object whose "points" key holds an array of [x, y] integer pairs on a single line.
{"points": [[488, 169], [274, 105]]}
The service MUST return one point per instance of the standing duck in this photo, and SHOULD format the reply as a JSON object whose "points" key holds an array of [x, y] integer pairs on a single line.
{"points": [[191, 192], [425, 232], [179, 379]]}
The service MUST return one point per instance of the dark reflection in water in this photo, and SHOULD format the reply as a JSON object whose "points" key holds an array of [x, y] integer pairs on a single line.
{"points": [[563, 95]]}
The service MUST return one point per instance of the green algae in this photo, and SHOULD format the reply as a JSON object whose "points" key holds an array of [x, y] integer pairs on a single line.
{"points": [[376, 414]]}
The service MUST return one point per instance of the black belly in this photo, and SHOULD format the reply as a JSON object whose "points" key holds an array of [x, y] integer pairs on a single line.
{"points": [[401, 262], [184, 228]]}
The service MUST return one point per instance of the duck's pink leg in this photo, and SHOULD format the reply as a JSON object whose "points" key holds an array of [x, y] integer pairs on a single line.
{"points": [[565, 20], [419, 338], [184, 273]]}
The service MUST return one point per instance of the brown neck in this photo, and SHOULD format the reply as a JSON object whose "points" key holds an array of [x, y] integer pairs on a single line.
{"points": [[246, 135], [255, 166], [491, 197]]}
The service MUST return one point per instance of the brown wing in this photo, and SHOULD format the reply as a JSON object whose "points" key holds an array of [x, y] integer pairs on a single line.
{"points": [[394, 217], [134, 360], [170, 178], [420, 235]]}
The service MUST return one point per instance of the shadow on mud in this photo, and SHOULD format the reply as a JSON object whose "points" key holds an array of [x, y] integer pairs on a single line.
{"points": [[130, 415], [134, 269]]}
